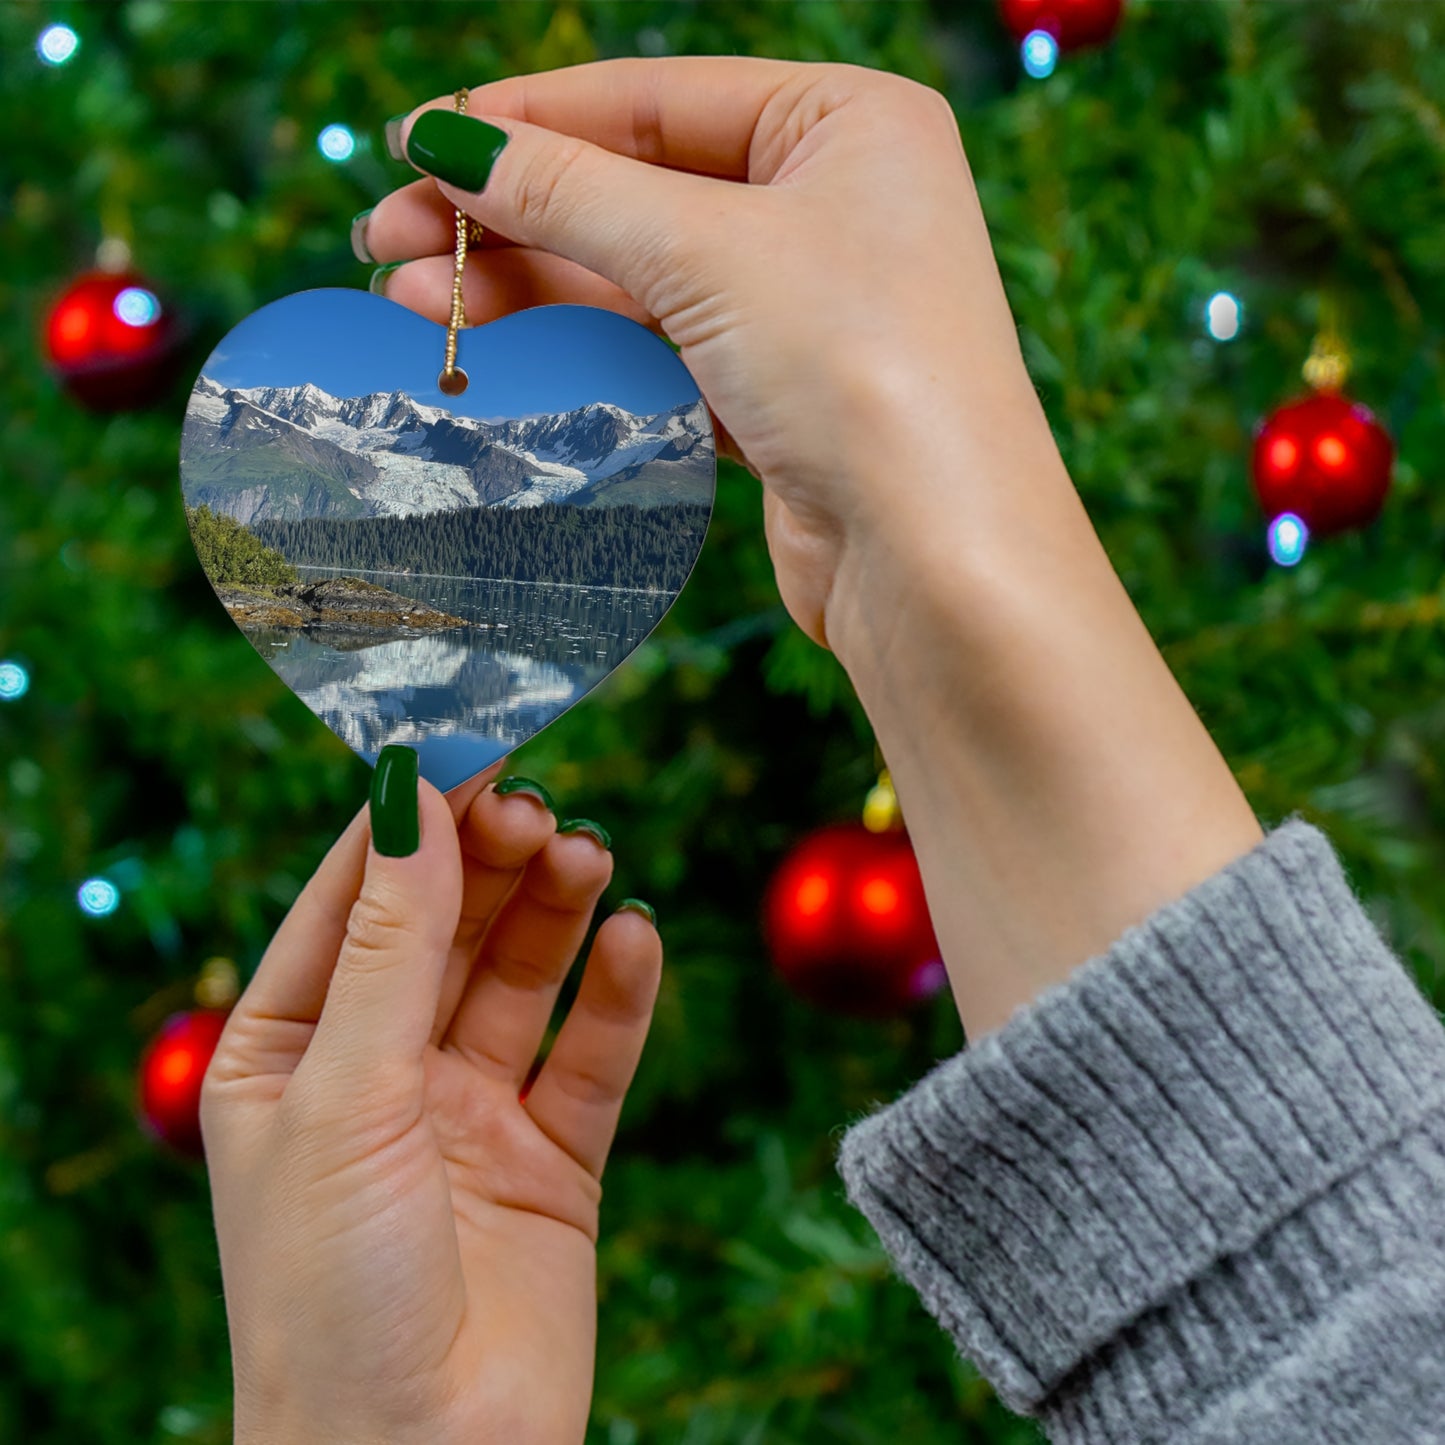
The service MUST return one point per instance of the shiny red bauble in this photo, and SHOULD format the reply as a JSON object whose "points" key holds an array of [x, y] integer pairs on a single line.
{"points": [[1324, 458], [112, 341], [171, 1071], [1073, 23], [847, 924]]}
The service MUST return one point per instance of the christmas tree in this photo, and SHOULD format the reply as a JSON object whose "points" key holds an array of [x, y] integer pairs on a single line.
{"points": [[1212, 161]]}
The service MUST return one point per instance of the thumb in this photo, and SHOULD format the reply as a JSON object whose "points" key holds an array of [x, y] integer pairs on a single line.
{"points": [[637, 225], [382, 999]]}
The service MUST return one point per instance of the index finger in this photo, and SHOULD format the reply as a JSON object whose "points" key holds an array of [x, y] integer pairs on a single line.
{"points": [[696, 113]]}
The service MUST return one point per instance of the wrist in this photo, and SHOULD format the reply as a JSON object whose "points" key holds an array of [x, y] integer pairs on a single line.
{"points": [[947, 527], [1057, 784]]}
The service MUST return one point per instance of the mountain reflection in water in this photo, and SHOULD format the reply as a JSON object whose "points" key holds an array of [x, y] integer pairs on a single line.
{"points": [[464, 697]]}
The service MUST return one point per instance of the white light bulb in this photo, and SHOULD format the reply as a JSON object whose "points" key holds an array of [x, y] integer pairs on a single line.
{"points": [[1223, 316], [57, 44], [1288, 538], [14, 681], [336, 143], [98, 897], [1040, 52], [137, 307]]}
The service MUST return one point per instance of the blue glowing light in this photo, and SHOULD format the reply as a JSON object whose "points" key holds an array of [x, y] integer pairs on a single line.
{"points": [[336, 143], [1040, 53], [14, 681], [57, 44], [1223, 316], [1288, 537], [98, 897], [137, 307]]}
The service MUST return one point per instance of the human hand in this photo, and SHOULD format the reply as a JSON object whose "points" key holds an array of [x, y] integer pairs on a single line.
{"points": [[843, 314], [408, 1247], [842, 311]]}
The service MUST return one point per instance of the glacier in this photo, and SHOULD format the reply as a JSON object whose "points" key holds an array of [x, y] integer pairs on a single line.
{"points": [[410, 459]]}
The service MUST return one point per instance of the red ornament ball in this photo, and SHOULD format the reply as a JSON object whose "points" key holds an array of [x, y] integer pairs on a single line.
{"points": [[111, 341], [1326, 459], [171, 1071], [1073, 23], [847, 924]]}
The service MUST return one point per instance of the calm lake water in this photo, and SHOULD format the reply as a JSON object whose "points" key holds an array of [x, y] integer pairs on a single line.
{"points": [[464, 697]]}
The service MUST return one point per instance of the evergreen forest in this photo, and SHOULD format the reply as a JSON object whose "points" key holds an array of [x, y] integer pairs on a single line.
{"points": [[652, 547]]}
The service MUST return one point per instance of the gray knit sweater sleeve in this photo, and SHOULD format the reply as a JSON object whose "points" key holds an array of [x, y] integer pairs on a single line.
{"points": [[1197, 1191]]}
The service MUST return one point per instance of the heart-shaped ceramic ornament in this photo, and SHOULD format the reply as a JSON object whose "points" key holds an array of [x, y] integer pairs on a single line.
{"points": [[447, 572]]}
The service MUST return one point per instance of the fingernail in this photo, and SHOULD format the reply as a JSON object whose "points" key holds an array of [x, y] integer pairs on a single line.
{"points": [[457, 149], [586, 825], [395, 821], [527, 786], [379, 277], [359, 248], [636, 905], [393, 137]]}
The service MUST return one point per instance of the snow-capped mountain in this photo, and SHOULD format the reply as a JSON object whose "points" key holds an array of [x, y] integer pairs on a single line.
{"points": [[291, 452]]}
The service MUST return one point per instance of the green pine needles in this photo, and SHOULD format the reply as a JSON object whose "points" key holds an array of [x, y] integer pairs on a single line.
{"points": [[233, 556], [623, 546]]}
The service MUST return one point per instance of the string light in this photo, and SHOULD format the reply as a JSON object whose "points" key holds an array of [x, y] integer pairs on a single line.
{"points": [[1288, 537], [1223, 316], [57, 44], [14, 681], [930, 977], [98, 897], [1040, 52], [336, 143], [137, 307]]}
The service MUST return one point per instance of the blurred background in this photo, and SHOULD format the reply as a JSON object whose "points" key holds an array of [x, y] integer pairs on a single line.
{"points": [[1187, 205]]}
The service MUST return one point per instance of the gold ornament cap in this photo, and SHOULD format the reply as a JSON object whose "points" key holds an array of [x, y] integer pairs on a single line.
{"points": [[881, 813], [219, 985], [113, 254], [1328, 365]]}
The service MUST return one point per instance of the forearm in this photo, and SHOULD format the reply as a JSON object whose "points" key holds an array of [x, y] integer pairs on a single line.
{"points": [[1057, 784]]}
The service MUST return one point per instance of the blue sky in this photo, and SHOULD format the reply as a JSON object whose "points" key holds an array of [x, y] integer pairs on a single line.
{"points": [[548, 358]]}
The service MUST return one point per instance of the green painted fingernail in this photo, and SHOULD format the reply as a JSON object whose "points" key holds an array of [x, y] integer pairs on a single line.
{"points": [[359, 248], [393, 136], [528, 786], [586, 825], [379, 277], [395, 815], [455, 148], [636, 905]]}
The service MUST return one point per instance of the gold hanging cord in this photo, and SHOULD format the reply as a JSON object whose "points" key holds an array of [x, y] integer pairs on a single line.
{"points": [[453, 380]]}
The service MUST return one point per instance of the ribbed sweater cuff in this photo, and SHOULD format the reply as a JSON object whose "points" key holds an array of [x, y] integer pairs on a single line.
{"points": [[1134, 1154]]}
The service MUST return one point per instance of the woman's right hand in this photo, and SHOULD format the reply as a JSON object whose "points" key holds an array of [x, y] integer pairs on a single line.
{"points": [[844, 316], [841, 311]]}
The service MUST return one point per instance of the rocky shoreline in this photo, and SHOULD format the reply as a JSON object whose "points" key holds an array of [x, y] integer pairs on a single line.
{"points": [[341, 603]]}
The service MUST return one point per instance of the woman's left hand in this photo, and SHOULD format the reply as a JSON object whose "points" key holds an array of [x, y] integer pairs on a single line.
{"points": [[407, 1245]]}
